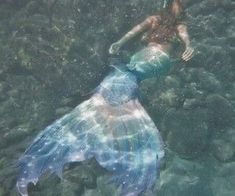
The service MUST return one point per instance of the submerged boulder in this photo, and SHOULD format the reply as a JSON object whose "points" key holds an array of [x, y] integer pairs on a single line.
{"points": [[223, 150], [224, 182], [220, 110], [188, 132], [182, 178]]}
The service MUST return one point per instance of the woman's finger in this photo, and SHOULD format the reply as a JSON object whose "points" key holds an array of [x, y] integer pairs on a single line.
{"points": [[187, 51], [188, 56], [185, 54]]}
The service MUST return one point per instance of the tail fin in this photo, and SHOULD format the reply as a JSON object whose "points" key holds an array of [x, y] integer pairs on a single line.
{"points": [[122, 138], [62, 142]]}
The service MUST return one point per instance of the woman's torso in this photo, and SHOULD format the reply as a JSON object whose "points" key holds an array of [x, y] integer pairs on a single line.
{"points": [[162, 32]]}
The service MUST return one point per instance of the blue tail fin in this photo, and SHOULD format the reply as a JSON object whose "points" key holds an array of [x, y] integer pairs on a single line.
{"points": [[62, 142], [112, 127]]}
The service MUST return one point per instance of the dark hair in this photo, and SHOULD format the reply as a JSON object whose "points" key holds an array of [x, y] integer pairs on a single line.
{"points": [[165, 12], [166, 4]]}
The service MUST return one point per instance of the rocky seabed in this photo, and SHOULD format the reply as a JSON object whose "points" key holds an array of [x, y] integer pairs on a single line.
{"points": [[53, 53]]}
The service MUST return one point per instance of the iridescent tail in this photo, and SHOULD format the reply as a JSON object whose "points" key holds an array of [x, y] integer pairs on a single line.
{"points": [[59, 143], [111, 127]]}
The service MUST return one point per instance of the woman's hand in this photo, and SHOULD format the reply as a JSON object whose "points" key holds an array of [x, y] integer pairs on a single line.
{"points": [[114, 48], [187, 54]]}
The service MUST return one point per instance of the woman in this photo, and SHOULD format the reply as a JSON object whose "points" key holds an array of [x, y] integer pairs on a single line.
{"points": [[161, 30], [112, 126]]}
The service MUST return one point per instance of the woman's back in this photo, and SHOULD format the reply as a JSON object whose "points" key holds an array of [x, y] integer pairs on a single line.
{"points": [[163, 30]]}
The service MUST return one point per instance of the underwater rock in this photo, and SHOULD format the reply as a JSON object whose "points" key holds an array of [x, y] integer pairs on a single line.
{"points": [[191, 103], [7, 176], [199, 82], [182, 178], [233, 91], [208, 81], [223, 145], [201, 76], [224, 182], [223, 150], [220, 109], [227, 169], [82, 175], [222, 186], [187, 131], [60, 48], [48, 184], [230, 135], [2, 91], [192, 90], [3, 163], [15, 135], [61, 111], [172, 82], [2, 191], [66, 101], [71, 188], [169, 97], [103, 188]]}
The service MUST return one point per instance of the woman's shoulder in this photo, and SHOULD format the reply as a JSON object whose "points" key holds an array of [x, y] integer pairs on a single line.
{"points": [[154, 18]]}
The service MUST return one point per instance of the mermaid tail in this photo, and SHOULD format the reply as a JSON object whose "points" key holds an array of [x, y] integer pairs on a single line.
{"points": [[111, 127]]}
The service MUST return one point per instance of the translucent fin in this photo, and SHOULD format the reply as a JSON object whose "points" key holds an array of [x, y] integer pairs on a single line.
{"points": [[132, 148], [62, 142], [111, 126]]}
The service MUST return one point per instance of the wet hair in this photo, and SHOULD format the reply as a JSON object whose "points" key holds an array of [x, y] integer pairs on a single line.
{"points": [[165, 12], [167, 5]]}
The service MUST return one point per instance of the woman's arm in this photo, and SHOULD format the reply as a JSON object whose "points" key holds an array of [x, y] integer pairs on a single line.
{"points": [[132, 33], [136, 30], [184, 36]]}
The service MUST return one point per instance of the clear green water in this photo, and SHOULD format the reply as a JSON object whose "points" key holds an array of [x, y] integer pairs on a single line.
{"points": [[54, 53]]}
